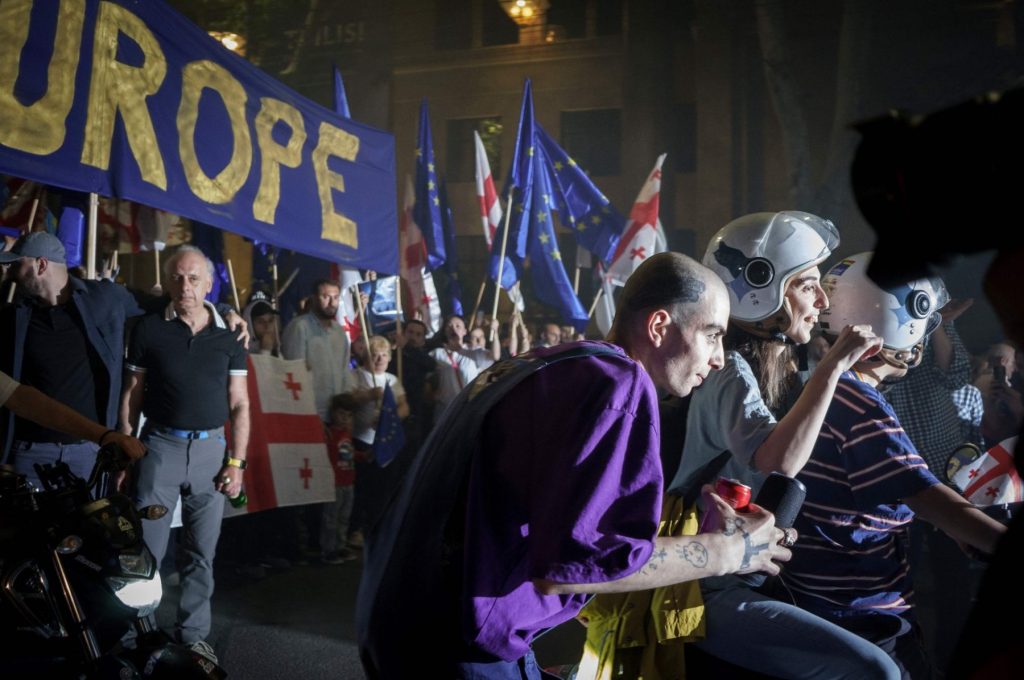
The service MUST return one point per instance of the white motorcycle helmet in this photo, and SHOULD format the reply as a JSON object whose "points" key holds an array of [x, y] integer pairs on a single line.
{"points": [[756, 255], [903, 315]]}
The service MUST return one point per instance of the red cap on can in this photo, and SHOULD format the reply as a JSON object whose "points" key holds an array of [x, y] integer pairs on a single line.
{"points": [[733, 492]]}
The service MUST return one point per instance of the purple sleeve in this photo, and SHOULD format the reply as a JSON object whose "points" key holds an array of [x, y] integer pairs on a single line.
{"points": [[598, 494]]}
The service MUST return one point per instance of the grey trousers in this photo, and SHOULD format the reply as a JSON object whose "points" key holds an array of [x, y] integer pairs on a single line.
{"points": [[174, 466]]}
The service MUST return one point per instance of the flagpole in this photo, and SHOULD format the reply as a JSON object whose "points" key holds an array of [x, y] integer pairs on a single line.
{"points": [[501, 260], [593, 305], [576, 281], [156, 261], [90, 251], [288, 282], [275, 304], [32, 213], [479, 299], [398, 325], [234, 288], [366, 330]]}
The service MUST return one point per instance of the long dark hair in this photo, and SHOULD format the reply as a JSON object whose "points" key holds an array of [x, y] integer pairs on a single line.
{"points": [[777, 376]]}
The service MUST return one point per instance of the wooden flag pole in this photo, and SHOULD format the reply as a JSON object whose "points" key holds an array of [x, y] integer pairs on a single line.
{"points": [[501, 260], [32, 214], [479, 299], [593, 305], [576, 281], [234, 288], [288, 282], [399, 340], [366, 329], [156, 260]]}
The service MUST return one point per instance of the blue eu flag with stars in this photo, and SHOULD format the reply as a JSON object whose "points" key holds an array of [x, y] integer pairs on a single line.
{"points": [[531, 232], [426, 212], [390, 436]]}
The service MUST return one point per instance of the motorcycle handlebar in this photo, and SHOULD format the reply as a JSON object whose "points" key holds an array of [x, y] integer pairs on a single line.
{"points": [[110, 458]]}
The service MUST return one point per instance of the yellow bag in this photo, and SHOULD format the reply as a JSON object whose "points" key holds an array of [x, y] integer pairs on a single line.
{"points": [[641, 635]]}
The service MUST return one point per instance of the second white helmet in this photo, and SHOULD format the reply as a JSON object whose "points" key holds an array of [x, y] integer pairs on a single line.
{"points": [[903, 315]]}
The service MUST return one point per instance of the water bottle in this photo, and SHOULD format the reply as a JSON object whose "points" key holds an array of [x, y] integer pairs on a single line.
{"points": [[240, 500]]}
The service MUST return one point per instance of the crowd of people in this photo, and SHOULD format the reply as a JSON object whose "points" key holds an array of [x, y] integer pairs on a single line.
{"points": [[547, 477]]}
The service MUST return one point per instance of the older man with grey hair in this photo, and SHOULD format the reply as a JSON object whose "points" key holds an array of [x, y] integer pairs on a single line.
{"points": [[187, 373]]}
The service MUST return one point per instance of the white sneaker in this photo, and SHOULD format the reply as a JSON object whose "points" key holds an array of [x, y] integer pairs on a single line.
{"points": [[203, 647]]}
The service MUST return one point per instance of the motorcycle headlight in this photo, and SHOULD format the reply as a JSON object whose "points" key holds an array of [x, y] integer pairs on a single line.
{"points": [[140, 594], [140, 564]]}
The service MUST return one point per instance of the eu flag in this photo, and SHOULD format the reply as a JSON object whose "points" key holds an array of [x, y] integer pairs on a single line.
{"points": [[581, 206], [426, 212], [390, 436], [531, 229]]}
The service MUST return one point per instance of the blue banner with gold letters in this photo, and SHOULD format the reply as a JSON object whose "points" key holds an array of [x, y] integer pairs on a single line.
{"points": [[129, 99]]}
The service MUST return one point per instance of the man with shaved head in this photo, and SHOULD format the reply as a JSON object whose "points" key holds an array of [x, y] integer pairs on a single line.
{"points": [[542, 484]]}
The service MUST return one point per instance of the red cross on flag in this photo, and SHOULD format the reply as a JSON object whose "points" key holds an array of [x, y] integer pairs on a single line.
{"points": [[992, 479], [413, 262], [490, 206], [643, 235], [287, 462]]}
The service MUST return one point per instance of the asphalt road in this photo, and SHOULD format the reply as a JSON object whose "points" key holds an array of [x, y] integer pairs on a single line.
{"points": [[298, 623]]}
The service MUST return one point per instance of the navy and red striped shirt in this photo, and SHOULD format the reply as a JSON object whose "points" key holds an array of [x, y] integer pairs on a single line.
{"points": [[849, 560]]}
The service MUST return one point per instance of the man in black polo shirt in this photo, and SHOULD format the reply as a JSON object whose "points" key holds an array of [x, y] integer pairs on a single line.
{"points": [[187, 373]]}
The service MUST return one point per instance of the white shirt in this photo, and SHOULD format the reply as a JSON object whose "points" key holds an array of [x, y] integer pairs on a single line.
{"points": [[364, 421]]}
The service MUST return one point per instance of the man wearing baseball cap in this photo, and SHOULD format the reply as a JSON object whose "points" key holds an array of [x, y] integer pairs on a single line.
{"points": [[65, 337]]}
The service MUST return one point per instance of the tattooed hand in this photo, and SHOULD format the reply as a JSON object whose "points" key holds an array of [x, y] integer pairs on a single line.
{"points": [[756, 547]]}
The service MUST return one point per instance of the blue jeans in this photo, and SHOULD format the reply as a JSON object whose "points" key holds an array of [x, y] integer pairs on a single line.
{"points": [[525, 668], [765, 635], [79, 457]]}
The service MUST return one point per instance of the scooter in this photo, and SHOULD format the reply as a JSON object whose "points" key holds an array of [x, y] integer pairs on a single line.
{"points": [[78, 587]]}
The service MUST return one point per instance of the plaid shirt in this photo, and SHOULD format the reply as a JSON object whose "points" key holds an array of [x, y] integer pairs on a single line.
{"points": [[939, 410]]}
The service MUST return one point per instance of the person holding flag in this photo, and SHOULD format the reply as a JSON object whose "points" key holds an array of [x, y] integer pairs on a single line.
{"points": [[367, 385]]}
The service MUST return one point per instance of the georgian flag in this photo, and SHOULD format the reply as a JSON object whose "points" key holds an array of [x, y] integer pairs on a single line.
{"points": [[992, 478], [490, 209], [490, 206], [643, 236], [287, 461], [413, 266]]}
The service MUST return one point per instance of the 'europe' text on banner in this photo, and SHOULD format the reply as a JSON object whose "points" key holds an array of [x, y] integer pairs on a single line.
{"points": [[129, 99]]}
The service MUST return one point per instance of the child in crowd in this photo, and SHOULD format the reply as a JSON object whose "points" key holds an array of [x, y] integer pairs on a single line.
{"points": [[335, 517]]}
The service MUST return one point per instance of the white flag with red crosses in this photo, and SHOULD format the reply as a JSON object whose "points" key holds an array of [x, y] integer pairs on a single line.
{"points": [[992, 478], [287, 461], [643, 235]]}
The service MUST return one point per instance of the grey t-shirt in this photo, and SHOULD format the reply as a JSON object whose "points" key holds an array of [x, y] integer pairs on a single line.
{"points": [[727, 414]]}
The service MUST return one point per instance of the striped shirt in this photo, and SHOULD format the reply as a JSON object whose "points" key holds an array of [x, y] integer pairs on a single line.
{"points": [[850, 558]]}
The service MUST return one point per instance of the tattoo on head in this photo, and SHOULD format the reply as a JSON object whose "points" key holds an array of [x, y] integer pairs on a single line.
{"points": [[694, 553]]}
